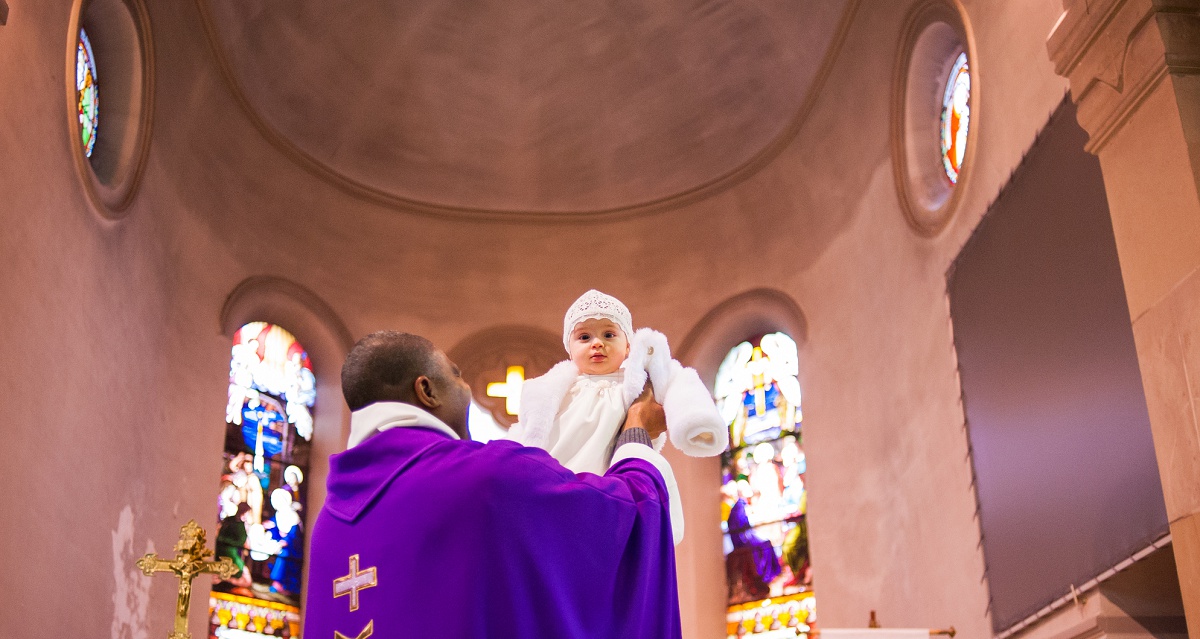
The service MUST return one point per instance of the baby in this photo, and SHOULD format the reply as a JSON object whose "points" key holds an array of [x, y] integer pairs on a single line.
{"points": [[576, 409]]}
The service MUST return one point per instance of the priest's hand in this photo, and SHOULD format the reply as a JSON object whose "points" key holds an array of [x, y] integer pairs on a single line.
{"points": [[647, 413]]}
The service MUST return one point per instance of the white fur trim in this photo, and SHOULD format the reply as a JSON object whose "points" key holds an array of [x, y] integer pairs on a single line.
{"points": [[696, 427], [662, 372], [541, 398], [635, 381], [647, 454], [649, 358], [516, 433]]}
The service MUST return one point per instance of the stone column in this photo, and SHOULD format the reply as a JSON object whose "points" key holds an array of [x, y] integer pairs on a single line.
{"points": [[1134, 70]]}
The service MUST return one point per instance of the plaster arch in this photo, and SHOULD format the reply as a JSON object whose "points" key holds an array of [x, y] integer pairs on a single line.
{"points": [[323, 334], [485, 355], [754, 312]]}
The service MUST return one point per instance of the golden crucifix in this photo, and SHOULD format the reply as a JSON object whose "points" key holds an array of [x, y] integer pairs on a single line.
{"points": [[187, 564]]}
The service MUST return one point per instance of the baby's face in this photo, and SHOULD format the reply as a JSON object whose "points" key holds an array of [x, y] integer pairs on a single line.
{"points": [[598, 346]]}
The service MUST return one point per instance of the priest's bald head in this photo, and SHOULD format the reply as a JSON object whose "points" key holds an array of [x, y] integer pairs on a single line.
{"points": [[389, 366]]}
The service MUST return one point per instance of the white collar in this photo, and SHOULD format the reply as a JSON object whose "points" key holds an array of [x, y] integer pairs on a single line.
{"points": [[381, 416]]}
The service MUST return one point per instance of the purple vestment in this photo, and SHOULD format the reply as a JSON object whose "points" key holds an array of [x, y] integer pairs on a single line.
{"points": [[462, 539]]}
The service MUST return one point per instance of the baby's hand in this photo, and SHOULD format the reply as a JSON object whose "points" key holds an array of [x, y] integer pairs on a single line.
{"points": [[647, 413]]}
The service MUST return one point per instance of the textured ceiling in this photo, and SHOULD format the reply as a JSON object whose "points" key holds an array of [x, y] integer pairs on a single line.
{"points": [[534, 106]]}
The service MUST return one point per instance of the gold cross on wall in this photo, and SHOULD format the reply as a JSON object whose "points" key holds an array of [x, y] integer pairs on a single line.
{"points": [[509, 389], [186, 565], [354, 582]]}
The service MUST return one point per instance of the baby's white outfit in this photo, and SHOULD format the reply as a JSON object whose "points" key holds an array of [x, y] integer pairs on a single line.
{"points": [[583, 433], [576, 417]]}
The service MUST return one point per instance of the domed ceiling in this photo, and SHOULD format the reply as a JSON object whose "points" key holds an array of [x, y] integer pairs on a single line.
{"points": [[533, 106]]}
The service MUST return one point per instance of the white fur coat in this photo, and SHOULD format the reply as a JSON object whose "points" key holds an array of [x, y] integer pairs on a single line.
{"points": [[693, 423]]}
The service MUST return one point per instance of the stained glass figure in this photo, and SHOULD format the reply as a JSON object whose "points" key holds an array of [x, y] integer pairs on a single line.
{"points": [[956, 117], [764, 499], [87, 93], [261, 501]]}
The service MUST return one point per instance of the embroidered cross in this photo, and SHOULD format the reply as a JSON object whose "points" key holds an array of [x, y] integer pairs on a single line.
{"points": [[354, 582], [366, 632]]}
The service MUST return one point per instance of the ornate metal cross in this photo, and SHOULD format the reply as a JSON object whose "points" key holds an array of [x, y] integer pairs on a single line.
{"points": [[187, 564]]}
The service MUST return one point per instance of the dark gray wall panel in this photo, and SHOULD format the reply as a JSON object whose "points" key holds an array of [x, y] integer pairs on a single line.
{"points": [[1067, 480]]}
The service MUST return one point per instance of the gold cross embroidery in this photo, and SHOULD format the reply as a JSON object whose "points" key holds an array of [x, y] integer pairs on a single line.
{"points": [[366, 632], [354, 582]]}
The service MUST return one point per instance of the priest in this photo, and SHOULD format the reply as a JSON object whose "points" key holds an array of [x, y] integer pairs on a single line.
{"points": [[427, 534]]}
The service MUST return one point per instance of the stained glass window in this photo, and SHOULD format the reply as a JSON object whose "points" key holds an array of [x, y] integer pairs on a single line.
{"points": [[764, 499], [86, 92], [262, 497], [956, 117]]}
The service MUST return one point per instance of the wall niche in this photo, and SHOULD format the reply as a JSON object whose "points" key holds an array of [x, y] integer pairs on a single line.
{"points": [[110, 152]]}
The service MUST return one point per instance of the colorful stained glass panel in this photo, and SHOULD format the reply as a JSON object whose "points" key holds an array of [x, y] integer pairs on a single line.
{"points": [[777, 617], [769, 478], [262, 497], [764, 497], [757, 391], [87, 93], [235, 617], [956, 117]]}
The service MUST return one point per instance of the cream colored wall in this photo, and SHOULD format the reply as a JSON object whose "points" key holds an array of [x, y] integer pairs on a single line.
{"points": [[888, 452], [114, 362], [97, 422]]}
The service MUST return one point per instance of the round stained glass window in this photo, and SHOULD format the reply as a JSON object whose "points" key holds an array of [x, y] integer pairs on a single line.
{"points": [[88, 96], [956, 117]]}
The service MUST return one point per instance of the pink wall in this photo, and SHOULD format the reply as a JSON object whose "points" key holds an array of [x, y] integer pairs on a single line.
{"points": [[114, 362]]}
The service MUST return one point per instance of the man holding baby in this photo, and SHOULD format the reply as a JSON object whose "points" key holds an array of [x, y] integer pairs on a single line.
{"points": [[427, 534]]}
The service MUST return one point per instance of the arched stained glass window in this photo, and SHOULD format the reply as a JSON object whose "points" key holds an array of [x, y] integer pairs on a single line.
{"points": [[262, 498], [764, 499], [956, 117], [88, 96]]}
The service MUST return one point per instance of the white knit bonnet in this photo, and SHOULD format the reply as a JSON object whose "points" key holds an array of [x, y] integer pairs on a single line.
{"points": [[596, 305]]}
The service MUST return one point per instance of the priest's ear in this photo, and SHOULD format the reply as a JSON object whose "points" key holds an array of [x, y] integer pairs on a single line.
{"points": [[425, 392]]}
